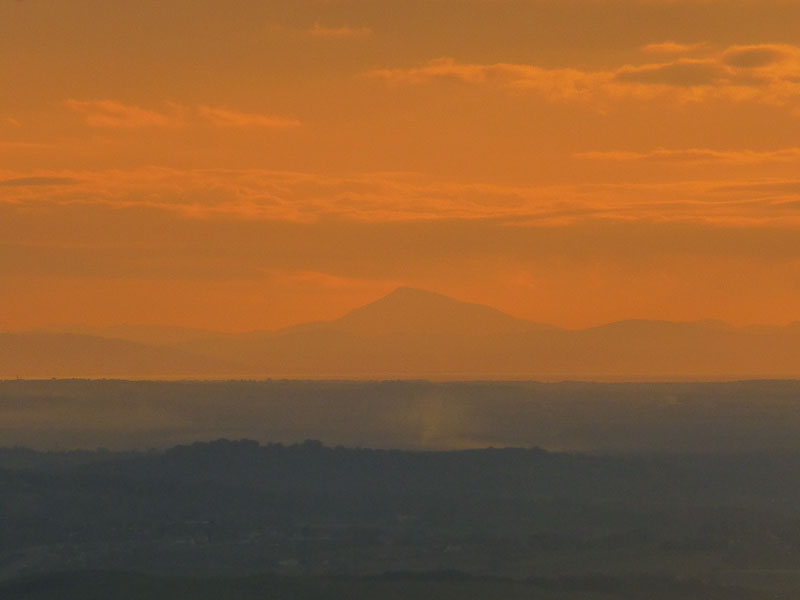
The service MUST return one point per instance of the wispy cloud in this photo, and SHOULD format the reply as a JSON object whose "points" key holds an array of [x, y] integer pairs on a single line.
{"points": [[21, 146], [761, 56], [223, 117], [37, 181], [344, 31], [279, 196], [698, 155], [554, 84], [113, 114], [109, 113], [683, 72], [764, 73], [781, 188], [673, 48]]}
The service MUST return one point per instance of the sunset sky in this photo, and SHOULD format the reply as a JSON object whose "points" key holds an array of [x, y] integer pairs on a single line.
{"points": [[250, 164]]}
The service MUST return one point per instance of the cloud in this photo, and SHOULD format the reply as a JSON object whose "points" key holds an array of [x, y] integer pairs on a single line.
{"points": [[698, 155], [108, 113], [450, 69], [682, 73], [37, 181], [223, 117], [290, 197], [788, 188], [792, 205], [755, 56], [672, 48], [554, 84], [112, 114], [21, 146], [766, 74], [345, 31]]}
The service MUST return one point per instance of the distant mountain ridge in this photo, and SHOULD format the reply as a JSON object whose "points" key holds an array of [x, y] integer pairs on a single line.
{"points": [[412, 333], [44, 355], [411, 310], [143, 334]]}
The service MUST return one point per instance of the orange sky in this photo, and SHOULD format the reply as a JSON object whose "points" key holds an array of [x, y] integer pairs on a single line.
{"points": [[252, 164]]}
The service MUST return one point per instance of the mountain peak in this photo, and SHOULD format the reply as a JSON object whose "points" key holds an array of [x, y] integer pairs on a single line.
{"points": [[407, 290], [413, 310], [411, 294]]}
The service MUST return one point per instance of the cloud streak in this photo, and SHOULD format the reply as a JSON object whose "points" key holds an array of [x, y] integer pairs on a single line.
{"points": [[36, 181], [223, 117], [672, 48], [109, 113], [113, 114], [291, 197], [345, 31], [766, 74], [698, 155]]}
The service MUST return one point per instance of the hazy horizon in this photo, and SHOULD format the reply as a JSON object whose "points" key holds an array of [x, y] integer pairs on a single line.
{"points": [[413, 334], [120, 327]]}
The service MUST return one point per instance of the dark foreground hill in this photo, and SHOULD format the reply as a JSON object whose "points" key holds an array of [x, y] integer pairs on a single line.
{"points": [[364, 523], [437, 585]]}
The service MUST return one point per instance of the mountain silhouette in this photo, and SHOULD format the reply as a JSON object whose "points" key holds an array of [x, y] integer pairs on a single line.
{"points": [[411, 310], [412, 333], [144, 334]]}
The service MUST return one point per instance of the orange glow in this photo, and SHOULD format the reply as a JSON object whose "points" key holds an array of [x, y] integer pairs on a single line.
{"points": [[250, 165]]}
